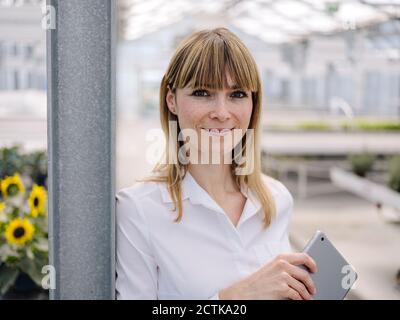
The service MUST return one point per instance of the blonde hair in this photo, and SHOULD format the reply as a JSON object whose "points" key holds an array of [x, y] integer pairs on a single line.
{"points": [[200, 61]]}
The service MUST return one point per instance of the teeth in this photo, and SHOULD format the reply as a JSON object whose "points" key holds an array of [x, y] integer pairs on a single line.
{"points": [[216, 132]]}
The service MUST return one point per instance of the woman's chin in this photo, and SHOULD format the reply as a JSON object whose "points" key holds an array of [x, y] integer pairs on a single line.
{"points": [[216, 155], [220, 155]]}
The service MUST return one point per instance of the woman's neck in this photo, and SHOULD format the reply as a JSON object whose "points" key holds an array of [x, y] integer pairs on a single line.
{"points": [[216, 179]]}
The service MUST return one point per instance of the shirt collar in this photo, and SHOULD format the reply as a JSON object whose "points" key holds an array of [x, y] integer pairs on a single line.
{"points": [[197, 195]]}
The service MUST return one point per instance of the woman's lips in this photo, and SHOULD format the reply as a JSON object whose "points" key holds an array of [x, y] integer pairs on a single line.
{"points": [[217, 131]]}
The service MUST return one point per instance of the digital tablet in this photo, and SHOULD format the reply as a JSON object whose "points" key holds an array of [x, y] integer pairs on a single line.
{"points": [[334, 276]]}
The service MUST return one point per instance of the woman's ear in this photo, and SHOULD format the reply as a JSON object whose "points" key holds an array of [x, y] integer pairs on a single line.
{"points": [[170, 99]]}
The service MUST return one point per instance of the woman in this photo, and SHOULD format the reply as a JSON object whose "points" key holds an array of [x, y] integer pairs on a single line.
{"points": [[209, 229]]}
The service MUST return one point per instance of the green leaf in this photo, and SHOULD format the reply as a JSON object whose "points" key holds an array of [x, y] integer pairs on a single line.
{"points": [[30, 268], [7, 277], [33, 268]]}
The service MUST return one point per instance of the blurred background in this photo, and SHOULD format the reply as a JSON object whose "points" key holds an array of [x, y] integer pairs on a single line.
{"points": [[331, 109]]}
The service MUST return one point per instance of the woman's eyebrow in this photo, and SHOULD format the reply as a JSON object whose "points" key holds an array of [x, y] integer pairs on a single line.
{"points": [[232, 87], [235, 86]]}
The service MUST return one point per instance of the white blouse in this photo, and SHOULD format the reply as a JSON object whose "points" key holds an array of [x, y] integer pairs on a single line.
{"points": [[157, 258]]}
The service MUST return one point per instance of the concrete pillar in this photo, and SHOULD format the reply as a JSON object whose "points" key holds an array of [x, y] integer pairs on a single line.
{"points": [[81, 134]]}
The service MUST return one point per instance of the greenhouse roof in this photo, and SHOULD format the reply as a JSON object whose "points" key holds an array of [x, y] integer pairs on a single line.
{"points": [[280, 21]]}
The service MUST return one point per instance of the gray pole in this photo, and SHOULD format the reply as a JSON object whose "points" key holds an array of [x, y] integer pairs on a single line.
{"points": [[81, 134]]}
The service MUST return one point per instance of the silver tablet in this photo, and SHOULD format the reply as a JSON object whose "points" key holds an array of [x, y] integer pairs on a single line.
{"points": [[334, 276]]}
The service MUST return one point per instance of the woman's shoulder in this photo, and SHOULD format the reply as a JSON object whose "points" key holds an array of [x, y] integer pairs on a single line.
{"points": [[138, 190], [137, 200]]}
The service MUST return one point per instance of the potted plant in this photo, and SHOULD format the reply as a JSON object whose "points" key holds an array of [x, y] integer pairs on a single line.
{"points": [[11, 160], [33, 164], [23, 237], [394, 173], [361, 163]]}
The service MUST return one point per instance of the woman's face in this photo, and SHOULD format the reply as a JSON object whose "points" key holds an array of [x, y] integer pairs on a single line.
{"points": [[209, 112]]}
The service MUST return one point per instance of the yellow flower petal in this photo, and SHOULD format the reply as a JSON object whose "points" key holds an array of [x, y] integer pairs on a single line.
{"points": [[19, 231], [37, 200], [11, 186]]}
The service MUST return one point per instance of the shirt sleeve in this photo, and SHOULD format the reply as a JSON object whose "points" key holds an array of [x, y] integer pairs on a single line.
{"points": [[136, 268]]}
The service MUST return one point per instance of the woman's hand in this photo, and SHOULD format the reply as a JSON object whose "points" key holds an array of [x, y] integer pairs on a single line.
{"points": [[282, 278]]}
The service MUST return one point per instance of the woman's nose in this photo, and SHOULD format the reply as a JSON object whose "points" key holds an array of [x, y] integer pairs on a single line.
{"points": [[220, 110]]}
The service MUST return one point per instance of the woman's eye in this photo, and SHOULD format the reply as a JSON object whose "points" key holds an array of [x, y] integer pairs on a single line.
{"points": [[239, 94], [200, 93], [204, 93]]}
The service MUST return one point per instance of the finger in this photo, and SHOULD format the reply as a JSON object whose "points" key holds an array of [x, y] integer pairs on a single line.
{"points": [[299, 287], [299, 258], [293, 294], [302, 276]]}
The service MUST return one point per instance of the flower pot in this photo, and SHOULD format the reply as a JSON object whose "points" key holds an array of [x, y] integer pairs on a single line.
{"points": [[26, 289]]}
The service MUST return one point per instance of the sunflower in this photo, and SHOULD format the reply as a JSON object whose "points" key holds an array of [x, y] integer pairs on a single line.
{"points": [[37, 200], [19, 231], [2, 206], [11, 186]]}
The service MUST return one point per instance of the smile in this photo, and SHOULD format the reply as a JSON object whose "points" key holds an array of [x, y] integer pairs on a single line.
{"points": [[217, 131]]}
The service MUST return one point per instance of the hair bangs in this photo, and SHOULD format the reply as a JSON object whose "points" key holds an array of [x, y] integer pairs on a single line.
{"points": [[206, 64]]}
